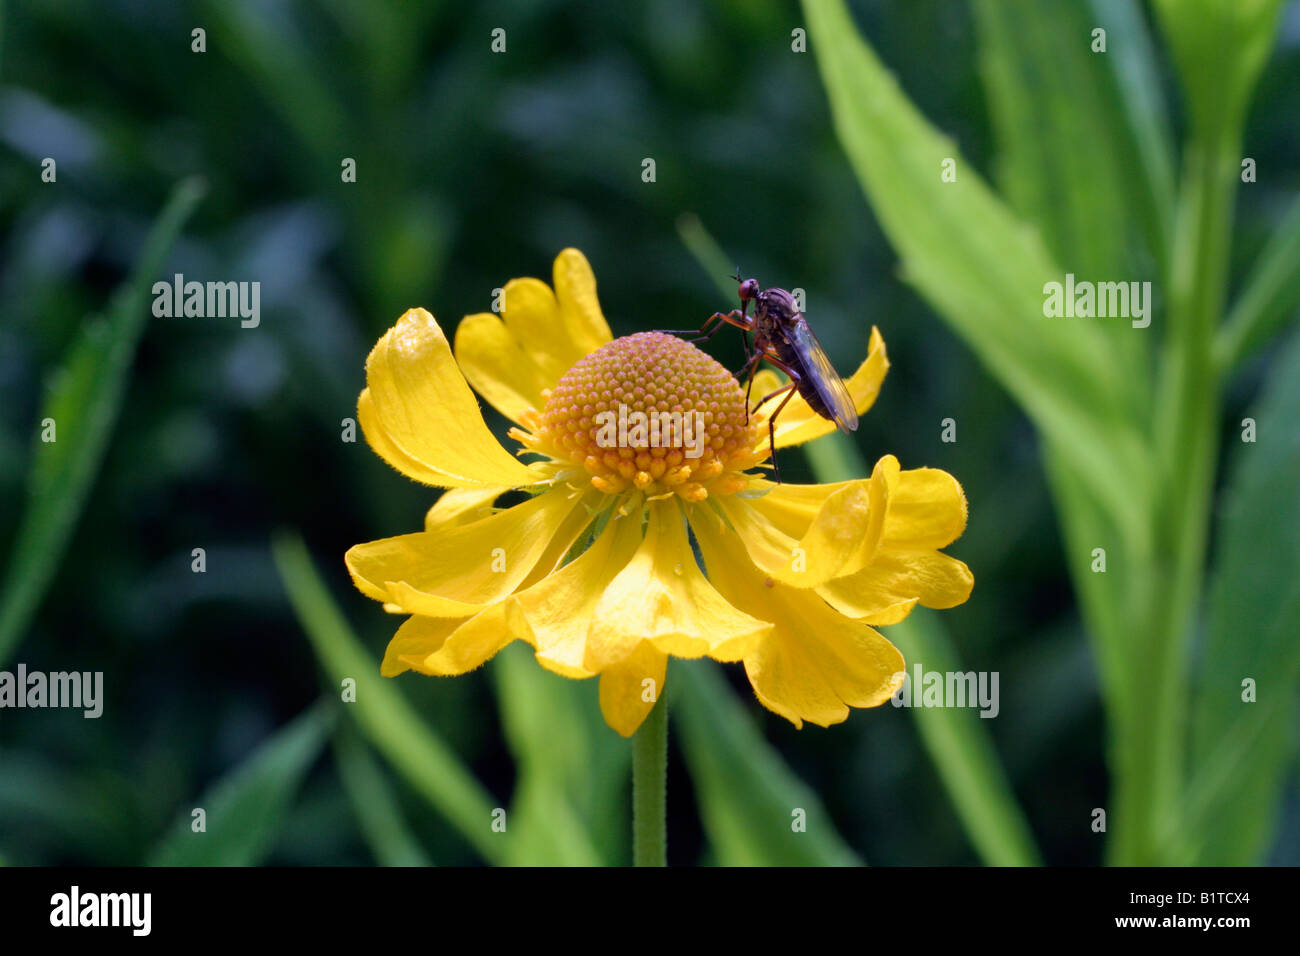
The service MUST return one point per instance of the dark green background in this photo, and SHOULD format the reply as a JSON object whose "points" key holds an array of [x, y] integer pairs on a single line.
{"points": [[474, 168]]}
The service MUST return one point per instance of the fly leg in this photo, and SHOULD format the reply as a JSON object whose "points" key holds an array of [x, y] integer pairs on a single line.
{"points": [[752, 358], [703, 333], [789, 391], [744, 337], [751, 364]]}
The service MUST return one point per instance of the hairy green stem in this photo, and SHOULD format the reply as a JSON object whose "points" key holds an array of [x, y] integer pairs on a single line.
{"points": [[650, 789]]}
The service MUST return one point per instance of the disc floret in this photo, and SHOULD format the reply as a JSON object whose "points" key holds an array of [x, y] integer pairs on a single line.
{"points": [[648, 412]]}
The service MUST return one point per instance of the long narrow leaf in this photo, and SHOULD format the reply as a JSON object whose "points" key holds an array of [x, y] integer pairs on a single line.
{"points": [[749, 800], [963, 754], [83, 403], [1244, 742], [380, 710], [981, 268], [556, 755], [374, 803], [958, 743], [1269, 298], [1132, 56], [1219, 47], [1067, 155], [1104, 599], [66, 811], [243, 810], [1060, 136]]}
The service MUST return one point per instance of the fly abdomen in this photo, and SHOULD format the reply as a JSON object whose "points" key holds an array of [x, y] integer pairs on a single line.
{"points": [[814, 399], [807, 388]]}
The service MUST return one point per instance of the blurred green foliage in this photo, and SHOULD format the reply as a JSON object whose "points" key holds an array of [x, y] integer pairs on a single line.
{"points": [[473, 168]]}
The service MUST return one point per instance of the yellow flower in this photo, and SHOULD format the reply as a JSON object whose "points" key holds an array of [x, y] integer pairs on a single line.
{"points": [[796, 574]]}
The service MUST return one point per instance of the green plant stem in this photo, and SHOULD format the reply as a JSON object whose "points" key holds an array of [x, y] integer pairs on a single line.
{"points": [[650, 789], [1153, 741]]}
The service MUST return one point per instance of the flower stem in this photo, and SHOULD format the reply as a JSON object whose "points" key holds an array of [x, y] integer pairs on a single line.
{"points": [[650, 789]]}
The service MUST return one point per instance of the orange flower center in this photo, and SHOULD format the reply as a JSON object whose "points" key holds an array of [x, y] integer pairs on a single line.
{"points": [[653, 412]]}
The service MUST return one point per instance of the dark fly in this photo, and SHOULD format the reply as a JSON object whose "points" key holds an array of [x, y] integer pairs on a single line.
{"points": [[782, 336]]}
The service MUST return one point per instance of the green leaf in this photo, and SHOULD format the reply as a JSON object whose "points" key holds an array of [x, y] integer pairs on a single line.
{"points": [[570, 769], [86, 813], [1104, 599], [1269, 297], [83, 402], [1242, 751], [963, 753], [376, 807], [747, 795], [389, 722], [1060, 129], [544, 828], [1131, 55], [958, 744], [1069, 149], [245, 807], [1220, 47], [982, 269], [699, 242]]}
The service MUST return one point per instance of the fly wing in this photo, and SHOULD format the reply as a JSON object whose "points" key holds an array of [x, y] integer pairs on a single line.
{"points": [[830, 387]]}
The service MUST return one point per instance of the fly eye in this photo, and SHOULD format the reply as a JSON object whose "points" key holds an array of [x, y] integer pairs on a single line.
{"points": [[749, 289]]}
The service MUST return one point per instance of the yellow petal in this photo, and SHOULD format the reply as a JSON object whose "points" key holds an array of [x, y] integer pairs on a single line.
{"points": [[458, 570], [625, 687], [423, 418], [448, 646], [472, 643], [415, 640], [879, 486], [662, 597], [815, 663], [498, 367], [834, 535], [575, 290], [559, 607], [533, 318], [791, 508], [383, 446], [798, 423], [461, 506], [477, 639], [930, 578], [443, 646], [868, 598], [766, 382], [842, 664], [927, 509], [923, 509]]}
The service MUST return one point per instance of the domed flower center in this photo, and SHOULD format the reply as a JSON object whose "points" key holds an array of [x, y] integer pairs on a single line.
{"points": [[652, 412]]}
